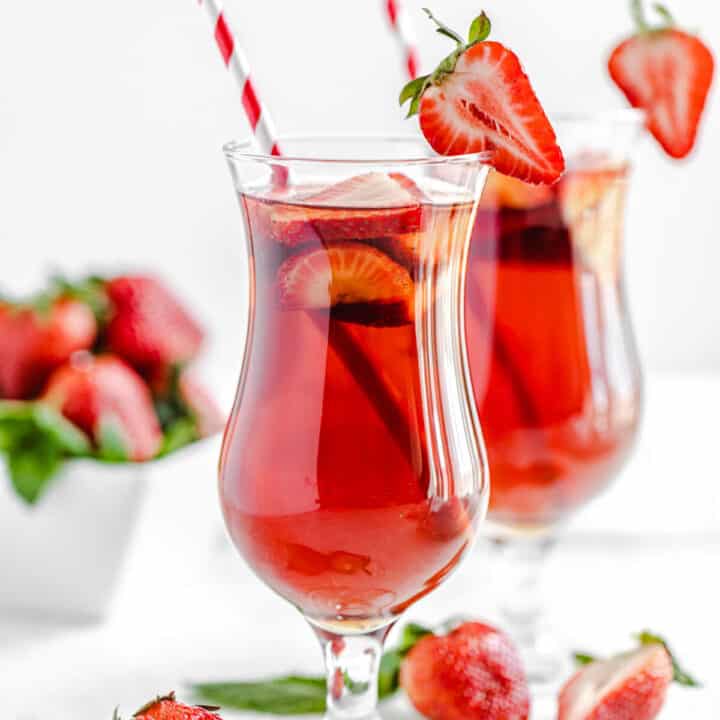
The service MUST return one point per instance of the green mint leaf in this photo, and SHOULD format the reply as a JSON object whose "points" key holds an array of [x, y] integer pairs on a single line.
{"points": [[111, 444], [354, 686], [35, 439], [681, 677], [296, 695], [291, 695], [180, 433], [413, 89], [90, 290], [389, 674], [444, 29], [665, 14], [582, 659], [479, 29], [16, 411], [68, 437], [32, 465], [410, 636]]}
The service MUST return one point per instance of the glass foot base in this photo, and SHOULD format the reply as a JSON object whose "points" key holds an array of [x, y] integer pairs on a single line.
{"points": [[546, 671], [547, 666]]}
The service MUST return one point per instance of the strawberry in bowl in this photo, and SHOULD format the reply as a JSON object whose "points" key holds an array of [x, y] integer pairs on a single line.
{"points": [[98, 369], [38, 336]]}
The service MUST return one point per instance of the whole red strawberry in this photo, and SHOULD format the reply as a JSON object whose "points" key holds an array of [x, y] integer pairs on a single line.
{"points": [[34, 340], [168, 708], [667, 73], [107, 399], [480, 99], [474, 673], [148, 326]]}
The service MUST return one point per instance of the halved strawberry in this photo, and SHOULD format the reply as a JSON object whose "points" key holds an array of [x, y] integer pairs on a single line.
{"points": [[667, 73], [479, 99], [632, 685], [361, 207], [360, 283]]}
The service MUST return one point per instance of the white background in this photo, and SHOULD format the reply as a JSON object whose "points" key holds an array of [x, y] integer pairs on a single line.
{"points": [[112, 115], [111, 119]]}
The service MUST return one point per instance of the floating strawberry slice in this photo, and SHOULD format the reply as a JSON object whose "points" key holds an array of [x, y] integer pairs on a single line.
{"points": [[667, 73], [362, 207], [479, 99], [360, 283], [410, 185]]}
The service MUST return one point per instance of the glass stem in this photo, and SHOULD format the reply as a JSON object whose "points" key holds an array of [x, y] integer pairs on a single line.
{"points": [[522, 561], [352, 663]]}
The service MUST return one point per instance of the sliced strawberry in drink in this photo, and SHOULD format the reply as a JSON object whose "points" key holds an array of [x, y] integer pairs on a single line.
{"points": [[403, 248], [359, 282], [667, 73], [410, 185], [362, 207]]}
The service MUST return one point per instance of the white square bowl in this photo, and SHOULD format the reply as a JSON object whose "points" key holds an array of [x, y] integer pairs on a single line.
{"points": [[62, 557]]}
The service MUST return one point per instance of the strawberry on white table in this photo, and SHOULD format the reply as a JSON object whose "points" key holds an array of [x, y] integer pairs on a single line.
{"points": [[629, 686]]}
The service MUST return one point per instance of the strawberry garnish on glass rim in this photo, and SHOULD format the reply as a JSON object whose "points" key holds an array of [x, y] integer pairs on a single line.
{"points": [[666, 72], [479, 99]]}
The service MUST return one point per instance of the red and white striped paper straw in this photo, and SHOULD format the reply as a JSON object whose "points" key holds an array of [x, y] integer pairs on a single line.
{"points": [[239, 68], [403, 33]]}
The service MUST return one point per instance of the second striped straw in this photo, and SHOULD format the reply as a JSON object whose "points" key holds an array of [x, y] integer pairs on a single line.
{"points": [[402, 29]]}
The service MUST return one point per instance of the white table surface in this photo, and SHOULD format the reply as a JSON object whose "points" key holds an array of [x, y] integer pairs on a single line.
{"points": [[646, 554]]}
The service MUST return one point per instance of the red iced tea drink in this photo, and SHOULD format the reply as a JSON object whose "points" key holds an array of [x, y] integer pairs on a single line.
{"points": [[329, 480], [552, 356]]}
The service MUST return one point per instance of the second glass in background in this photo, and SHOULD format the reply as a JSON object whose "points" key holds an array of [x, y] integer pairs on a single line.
{"points": [[553, 356]]}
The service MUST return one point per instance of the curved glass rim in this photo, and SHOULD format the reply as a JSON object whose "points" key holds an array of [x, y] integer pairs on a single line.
{"points": [[247, 150], [619, 116]]}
